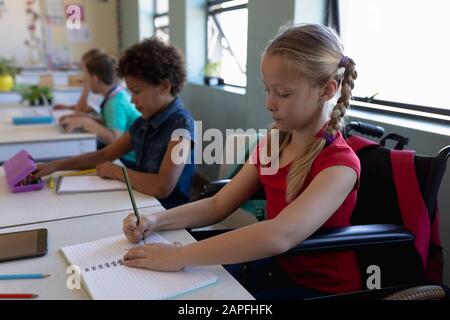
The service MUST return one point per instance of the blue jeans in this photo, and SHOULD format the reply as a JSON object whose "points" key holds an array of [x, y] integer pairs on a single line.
{"points": [[265, 280]]}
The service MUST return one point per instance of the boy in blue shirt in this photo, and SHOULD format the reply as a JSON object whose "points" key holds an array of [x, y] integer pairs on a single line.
{"points": [[155, 74]]}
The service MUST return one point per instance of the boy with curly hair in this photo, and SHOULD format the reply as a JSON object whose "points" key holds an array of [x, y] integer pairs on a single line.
{"points": [[155, 74]]}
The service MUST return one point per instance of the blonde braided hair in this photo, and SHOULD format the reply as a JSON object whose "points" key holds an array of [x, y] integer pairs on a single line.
{"points": [[315, 52]]}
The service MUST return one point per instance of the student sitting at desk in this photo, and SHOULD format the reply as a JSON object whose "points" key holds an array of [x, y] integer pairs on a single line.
{"points": [[313, 187], [117, 111], [88, 100], [155, 74]]}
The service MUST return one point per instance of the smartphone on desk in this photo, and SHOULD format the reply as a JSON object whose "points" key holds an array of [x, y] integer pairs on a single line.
{"points": [[23, 244]]}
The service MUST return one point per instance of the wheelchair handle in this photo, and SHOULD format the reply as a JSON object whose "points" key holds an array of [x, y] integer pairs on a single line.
{"points": [[365, 128], [401, 141]]}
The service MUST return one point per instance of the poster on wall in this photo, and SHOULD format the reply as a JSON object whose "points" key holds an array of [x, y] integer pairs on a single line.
{"points": [[33, 42], [75, 12], [2, 8], [81, 35], [55, 12]]}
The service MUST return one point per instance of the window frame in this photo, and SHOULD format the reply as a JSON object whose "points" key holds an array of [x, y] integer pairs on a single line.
{"points": [[215, 12], [421, 112], [156, 15]]}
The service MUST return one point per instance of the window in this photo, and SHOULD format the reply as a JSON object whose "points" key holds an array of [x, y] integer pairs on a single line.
{"points": [[146, 13], [227, 40], [161, 19], [401, 52]]}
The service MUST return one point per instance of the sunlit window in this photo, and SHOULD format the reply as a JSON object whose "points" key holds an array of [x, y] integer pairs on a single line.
{"points": [[401, 50], [161, 19], [227, 40]]}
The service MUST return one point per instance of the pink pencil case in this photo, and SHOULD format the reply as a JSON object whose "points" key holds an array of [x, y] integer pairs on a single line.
{"points": [[17, 171]]}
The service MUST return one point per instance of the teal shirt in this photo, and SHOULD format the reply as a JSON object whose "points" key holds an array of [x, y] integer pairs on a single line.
{"points": [[119, 114]]}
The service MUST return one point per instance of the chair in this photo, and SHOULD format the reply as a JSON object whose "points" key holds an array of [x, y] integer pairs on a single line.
{"points": [[378, 235]]}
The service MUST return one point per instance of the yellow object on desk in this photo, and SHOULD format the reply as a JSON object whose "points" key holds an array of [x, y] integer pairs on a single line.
{"points": [[51, 183], [80, 173]]}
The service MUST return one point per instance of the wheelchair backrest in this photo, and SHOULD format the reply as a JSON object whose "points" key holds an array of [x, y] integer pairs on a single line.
{"points": [[399, 187]]}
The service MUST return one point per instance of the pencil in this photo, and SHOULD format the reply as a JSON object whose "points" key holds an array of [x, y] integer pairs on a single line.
{"points": [[79, 173], [22, 276], [18, 296], [130, 193]]}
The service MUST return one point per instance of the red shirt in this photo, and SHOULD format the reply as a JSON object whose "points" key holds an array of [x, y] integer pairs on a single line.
{"points": [[330, 272]]}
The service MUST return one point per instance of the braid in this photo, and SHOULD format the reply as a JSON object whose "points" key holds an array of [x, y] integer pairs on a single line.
{"points": [[301, 167], [339, 111], [302, 164]]}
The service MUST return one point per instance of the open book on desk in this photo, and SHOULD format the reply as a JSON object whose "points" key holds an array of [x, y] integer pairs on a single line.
{"points": [[105, 277], [85, 184]]}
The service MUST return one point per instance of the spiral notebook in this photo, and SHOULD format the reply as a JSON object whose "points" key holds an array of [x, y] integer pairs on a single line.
{"points": [[105, 277], [85, 184]]}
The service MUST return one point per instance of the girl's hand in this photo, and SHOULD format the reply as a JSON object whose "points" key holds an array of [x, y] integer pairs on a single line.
{"points": [[158, 257], [108, 170], [43, 170], [136, 233]]}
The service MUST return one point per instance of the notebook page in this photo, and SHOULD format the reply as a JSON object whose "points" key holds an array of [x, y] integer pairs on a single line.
{"points": [[105, 276], [80, 184]]}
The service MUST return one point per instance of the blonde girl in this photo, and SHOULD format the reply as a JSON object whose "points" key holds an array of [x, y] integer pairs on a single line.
{"points": [[304, 70]]}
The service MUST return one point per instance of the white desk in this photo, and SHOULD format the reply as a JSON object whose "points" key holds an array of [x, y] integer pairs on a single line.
{"points": [[9, 97], [43, 142], [45, 205], [93, 228], [62, 94]]}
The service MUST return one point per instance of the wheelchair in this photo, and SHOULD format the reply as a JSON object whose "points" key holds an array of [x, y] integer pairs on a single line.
{"points": [[378, 234]]}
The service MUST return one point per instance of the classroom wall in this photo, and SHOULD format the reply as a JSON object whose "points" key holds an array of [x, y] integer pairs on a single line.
{"points": [[223, 109], [102, 23], [13, 24], [101, 19], [130, 27]]}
